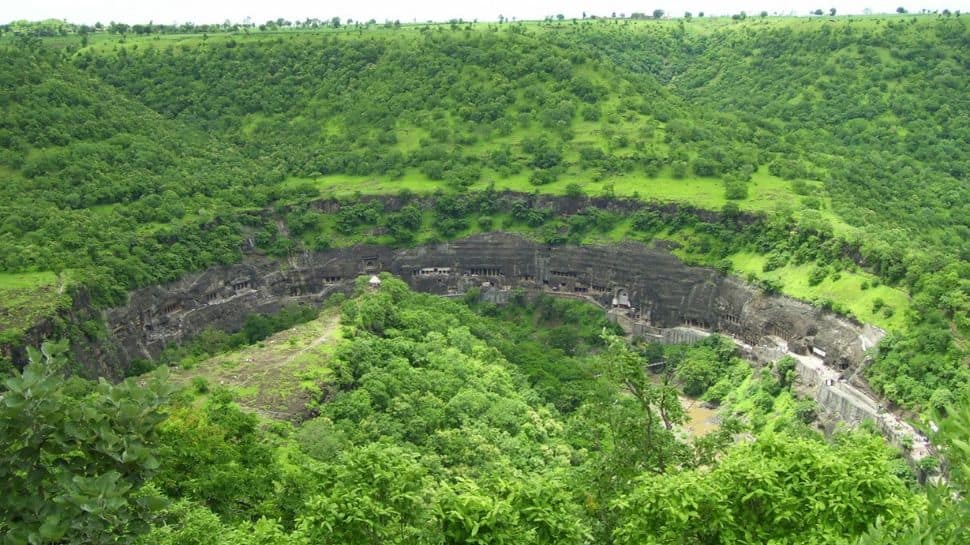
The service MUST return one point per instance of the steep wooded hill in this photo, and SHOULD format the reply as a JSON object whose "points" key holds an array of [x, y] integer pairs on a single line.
{"points": [[130, 160]]}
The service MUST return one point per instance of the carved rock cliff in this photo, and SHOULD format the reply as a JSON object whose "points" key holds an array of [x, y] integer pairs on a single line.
{"points": [[654, 286], [648, 290]]}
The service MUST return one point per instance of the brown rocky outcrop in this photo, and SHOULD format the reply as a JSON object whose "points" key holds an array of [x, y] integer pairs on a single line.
{"points": [[662, 291]]}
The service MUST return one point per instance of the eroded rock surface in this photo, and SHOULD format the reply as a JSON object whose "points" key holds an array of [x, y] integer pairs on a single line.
{"points": [[648, 290], [660, 291]]}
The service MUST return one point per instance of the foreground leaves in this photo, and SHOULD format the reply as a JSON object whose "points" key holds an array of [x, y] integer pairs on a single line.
{"points": [[74, 457]]}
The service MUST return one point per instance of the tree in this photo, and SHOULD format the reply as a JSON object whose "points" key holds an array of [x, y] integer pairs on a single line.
{"points": [[467, 512], [216, 456], [626, 369], [658, 13], [403, 224], [631, 431], [575, 191], [679, 169], [184, 523], [698, 371], [832, 12], [735, 189], [73, 464], [535, 509], [747, 494], [900, 9], [375, 494]]}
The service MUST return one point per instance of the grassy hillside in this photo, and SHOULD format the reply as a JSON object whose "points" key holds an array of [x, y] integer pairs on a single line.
{"points": [[27, 299], [278, 376], [850, 102], [131, 159]]}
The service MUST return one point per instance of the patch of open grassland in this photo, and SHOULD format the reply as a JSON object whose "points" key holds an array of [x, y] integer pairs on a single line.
{"points": [[275, 377], [846, 290], [26, 298]]}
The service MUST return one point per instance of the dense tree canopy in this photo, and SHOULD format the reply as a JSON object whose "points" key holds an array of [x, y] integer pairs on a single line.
{"points": [[426, 432], [131, 160], [133, 154]]}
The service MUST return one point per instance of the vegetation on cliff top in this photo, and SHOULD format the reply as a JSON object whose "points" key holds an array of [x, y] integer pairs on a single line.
{"points": [[129, 159]]}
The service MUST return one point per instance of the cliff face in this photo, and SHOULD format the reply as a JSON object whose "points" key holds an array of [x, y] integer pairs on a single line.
{"points": [[648, 290], [657, 287]]}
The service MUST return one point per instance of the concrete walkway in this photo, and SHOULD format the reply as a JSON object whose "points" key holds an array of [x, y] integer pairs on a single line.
{"points": [[839, 398]]}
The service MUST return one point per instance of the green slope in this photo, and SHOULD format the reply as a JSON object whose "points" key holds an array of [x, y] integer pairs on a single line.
{"points": [[438, 423], [131, 160]]}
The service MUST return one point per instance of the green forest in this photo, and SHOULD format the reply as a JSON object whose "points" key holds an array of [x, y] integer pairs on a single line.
{"points": [[441, 422], [822, 158]]}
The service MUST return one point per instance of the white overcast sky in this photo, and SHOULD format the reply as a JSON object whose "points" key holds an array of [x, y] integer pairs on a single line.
{"points": [[217, 11]]}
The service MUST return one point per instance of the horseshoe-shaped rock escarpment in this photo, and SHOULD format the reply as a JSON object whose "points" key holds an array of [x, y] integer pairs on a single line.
{"points": [[647, 289], [654, 287]]}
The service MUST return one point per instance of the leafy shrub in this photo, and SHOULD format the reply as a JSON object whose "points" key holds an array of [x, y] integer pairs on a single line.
{"points": [[817, 275]]}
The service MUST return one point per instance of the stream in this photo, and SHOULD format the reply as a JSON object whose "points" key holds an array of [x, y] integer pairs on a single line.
{"points": [[700, 419]]}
